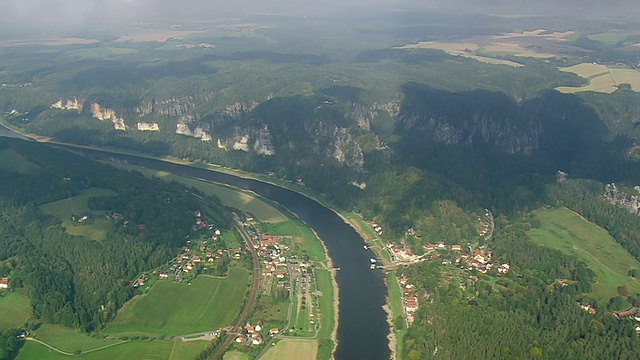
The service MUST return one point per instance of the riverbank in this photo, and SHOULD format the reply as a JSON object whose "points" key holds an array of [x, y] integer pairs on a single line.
{"points": [[364, 345]]}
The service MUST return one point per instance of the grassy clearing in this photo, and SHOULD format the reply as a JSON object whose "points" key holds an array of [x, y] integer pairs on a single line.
{"points": [[395, 299], [96, 227], [14, 310], [235, 355], [325, 302], [568, 232], [242, 200], [612, 37], [187, 350], [11, 161], [230, 239], [207, 304], [293, 349], [148, 350], [67, 339]]}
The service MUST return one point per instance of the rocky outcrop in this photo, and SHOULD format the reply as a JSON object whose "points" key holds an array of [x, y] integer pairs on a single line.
{"points": [[103, 114], [249, 139], [143, 126], [200, 131], [69, 104], [506, 134], [626, 198]]}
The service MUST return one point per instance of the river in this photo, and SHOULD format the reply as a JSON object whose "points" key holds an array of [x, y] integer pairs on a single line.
{"points": [[363, 329]]}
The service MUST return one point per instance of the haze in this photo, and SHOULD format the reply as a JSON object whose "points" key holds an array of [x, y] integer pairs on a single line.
{"points": [[21, 16]]}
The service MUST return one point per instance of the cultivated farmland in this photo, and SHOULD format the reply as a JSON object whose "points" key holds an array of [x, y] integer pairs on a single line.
{"points": [[293, 349], [601, 78], [568, 232], [207, 304]]}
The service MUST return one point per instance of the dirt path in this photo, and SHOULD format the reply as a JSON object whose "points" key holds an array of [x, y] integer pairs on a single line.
{"points": [[71, 354]]}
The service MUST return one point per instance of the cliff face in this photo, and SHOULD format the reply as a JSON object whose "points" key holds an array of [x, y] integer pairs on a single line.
{"points": [[103, 114], [69, 104], [626, 198], [173, 106], [299, 127], [479, 118]]}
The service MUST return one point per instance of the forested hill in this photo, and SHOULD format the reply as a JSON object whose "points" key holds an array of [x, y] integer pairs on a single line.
{"points": [[75, 233]]}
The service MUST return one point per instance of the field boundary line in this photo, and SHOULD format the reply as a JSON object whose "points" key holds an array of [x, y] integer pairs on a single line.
{"points": [[72, 354]]}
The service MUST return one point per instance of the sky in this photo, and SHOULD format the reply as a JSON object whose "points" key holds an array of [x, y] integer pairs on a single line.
{"points": [[51, 15]]}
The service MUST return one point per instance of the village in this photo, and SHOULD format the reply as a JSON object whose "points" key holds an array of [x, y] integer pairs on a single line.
{"points": [[471, 258], [286, 273]]}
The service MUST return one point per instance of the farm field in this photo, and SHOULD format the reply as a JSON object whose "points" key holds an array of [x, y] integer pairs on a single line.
{"points": [[467, 50], [293, 349], [96, 228], [14, 309], [187, 350], [148, 350], [67, 339], [568, 232], [601, 78], [235, 355], [207, 304], [11, 161]]}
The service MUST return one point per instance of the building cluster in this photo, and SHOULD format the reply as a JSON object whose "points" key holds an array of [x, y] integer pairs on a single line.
{"points": [[401, 255], [409, 300], [251, 335], [478, 260], [377, 228]]}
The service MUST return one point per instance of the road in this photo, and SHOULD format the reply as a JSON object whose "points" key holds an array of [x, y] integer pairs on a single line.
{"points": [[253, 292]]}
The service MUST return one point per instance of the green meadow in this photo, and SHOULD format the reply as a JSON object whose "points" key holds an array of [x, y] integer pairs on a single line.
{"points": [[149, 350], [207, 304], [14, 310], [568, 232], [238, 199], [96, 227], [97, 348], [11, 161]]}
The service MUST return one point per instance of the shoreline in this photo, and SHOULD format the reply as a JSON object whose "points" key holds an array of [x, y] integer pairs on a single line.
{"points": [[247, 175]]}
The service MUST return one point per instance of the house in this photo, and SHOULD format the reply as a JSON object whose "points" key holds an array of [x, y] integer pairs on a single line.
{"points": [[140, 282], [197, 214], [248, 328], [441, 245], [456, 247], [4, 283], [209, 254], [219, 251], [140, 226], [259, 325], [196, 259], [504, 268], [271, 173], [429, 247], [592, 311], [164, 275], [274, 331], [280, 274]]}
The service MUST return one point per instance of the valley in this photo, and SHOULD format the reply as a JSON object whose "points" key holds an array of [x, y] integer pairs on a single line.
{"points": [[403, 184]]}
